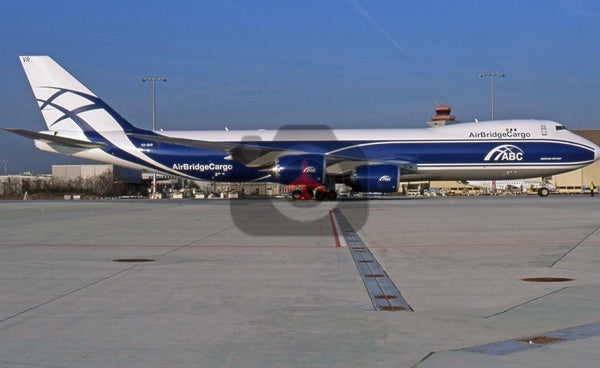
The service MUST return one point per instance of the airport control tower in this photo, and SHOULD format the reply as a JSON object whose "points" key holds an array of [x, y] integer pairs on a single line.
{"points": [[442, 116]]}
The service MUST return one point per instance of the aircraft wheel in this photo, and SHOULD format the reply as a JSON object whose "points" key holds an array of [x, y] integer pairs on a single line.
{"points": [[332, 195], [320, 195], [296, 194], [543, 192]]}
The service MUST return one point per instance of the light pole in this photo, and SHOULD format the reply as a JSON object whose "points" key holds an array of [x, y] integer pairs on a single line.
{"points": [[492, 75], [5, 161], [154, 80]]}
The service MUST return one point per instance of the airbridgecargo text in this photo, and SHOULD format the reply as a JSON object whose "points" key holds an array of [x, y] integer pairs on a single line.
{"points": [[203, 167], [508, 134]]}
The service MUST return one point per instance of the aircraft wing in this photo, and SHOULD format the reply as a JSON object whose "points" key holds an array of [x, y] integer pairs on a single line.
{"points": [[256, 156], [63, 141], [251, 155]]}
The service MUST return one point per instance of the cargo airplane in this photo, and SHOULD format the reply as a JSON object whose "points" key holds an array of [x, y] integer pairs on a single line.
{"points": [[80, 124]]}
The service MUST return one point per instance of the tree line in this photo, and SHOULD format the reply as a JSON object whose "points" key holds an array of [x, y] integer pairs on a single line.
{"points": [[103, 185]]}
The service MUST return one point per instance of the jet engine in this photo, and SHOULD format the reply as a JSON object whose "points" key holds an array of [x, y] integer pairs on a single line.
{"points": [[375, 178], [301, 170]]}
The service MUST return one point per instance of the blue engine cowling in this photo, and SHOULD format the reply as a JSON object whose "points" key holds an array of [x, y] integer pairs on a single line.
{"points": [[301, 170], [375, 178]]}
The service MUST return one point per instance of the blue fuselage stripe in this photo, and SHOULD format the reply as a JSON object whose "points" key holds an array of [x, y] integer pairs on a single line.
{"points": [[211, 165]]}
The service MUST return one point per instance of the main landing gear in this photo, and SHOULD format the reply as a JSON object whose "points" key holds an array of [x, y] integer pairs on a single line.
{"points": [[318, 193]]}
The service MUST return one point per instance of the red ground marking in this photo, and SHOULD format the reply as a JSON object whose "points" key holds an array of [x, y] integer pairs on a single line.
{"points": [[335, 234], [471, 245], [163, 246]]}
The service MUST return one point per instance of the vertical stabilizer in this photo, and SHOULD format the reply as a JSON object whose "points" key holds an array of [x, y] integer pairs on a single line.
{"points": [[65, 103]]}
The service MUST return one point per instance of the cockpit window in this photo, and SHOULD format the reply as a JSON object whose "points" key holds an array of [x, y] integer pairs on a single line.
{"points": [[560, 127]]}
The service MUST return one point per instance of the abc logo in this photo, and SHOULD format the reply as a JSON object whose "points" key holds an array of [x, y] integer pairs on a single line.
{"points": [[505, 152]]}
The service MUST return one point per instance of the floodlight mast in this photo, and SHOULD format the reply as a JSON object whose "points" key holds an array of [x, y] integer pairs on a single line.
{"points": [[154, 80], [492, 75]]}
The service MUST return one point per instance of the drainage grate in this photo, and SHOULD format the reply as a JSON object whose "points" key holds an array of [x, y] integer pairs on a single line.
{"points": [[393, 308], [384, 295]]}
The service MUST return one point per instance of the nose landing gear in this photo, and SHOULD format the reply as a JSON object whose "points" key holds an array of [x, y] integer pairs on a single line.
{"points": [[543, 192]]}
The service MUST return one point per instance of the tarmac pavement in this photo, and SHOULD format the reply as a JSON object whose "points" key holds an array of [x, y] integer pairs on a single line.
{"points": [[259, 283]]}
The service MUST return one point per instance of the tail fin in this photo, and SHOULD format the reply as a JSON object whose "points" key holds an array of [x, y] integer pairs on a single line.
{"points": [[66, 104]]}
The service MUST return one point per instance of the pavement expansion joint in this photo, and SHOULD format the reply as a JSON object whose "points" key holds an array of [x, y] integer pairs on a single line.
{"points": [[525, 303], [71, 292], [384, 294], [575, 247]]}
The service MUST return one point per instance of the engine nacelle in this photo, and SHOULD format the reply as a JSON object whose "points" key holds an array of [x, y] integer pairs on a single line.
{"points": [[375, 178], [301, 170]]}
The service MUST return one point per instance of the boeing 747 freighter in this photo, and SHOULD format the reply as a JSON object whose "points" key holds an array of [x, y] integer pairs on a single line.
{"points": [[80, 124]]}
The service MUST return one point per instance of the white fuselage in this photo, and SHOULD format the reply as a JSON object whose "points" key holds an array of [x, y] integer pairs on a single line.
{"points": [[536, 148]]}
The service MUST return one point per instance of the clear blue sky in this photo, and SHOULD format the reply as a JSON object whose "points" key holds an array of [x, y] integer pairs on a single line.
{"points": [[343, 63]]}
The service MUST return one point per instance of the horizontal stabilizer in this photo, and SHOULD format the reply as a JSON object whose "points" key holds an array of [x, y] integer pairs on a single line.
{"points": [[63, 141]]}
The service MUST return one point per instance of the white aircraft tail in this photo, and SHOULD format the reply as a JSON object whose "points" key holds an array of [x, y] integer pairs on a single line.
{"points": [[65, 103]]}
